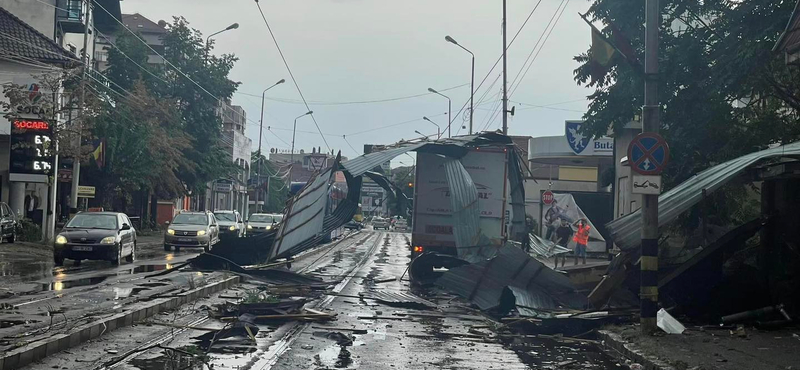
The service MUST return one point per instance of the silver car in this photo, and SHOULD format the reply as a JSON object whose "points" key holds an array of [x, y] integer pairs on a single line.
{"points": [[262, 222], [192, 229], [380, 223]]}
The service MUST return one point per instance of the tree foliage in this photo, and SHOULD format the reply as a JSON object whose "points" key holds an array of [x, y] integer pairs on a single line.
{"points": [[724, 93], [162, 130], [278, 190]]}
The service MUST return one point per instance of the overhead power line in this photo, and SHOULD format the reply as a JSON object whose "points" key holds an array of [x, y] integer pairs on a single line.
{"points": [[386, 100], [294, 80], [498, 60]]}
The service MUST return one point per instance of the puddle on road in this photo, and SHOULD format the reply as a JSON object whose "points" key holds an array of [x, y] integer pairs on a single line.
{"points": [[145, 268], [545, 353], [120, 293], [67, 284]]}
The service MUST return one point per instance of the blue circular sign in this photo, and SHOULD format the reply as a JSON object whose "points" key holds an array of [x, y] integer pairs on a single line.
{"points": [[648, 154]]}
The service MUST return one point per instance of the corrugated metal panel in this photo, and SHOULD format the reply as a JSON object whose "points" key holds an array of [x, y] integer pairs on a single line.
{"points": [[626, 231], [483, 283], [529, 302], [304, 216], [790, 38], [466, 214], [517, 193], [545, 248], [359, 165], [399, 298]]}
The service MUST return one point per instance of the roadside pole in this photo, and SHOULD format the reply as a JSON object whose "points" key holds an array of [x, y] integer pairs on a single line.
{"points": [[505, 78], [76, 162], [650, 123]]}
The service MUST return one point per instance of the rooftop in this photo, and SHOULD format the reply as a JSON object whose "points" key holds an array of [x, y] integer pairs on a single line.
{"points": [[18, 40]]}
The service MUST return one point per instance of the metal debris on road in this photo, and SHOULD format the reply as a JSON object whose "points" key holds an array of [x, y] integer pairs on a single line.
{"points": [[399, 299]]}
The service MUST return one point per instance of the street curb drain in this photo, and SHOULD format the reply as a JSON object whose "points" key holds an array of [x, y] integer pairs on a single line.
{"points": [[619, 348], [46, 347]]}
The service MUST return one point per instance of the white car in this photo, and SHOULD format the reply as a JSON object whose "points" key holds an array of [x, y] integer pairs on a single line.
{"points": [[380, 223]]}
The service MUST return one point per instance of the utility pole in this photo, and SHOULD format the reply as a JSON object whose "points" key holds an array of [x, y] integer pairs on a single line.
{"points": [[650, 123], [76, 161], [505, 77]]}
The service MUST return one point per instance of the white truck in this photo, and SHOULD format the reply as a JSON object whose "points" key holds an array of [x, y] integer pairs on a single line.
{"points": [[432, 220]]}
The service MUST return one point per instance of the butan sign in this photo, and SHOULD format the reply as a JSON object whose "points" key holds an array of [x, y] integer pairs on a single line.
{"points": [[32, 147]]}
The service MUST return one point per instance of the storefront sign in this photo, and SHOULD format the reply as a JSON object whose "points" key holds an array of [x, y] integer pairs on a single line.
{"points": [[32, 148], [86, 191]]}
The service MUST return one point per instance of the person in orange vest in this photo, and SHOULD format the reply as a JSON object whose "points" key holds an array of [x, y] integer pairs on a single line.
{"points": [[581, 239]]}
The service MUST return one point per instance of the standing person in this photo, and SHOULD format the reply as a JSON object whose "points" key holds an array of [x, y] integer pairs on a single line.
{"points": [[581, 239], [563, 233]]}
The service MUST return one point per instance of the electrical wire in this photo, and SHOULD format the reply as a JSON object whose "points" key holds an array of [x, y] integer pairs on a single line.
{"points": [[293, 101], [498, 61], [294, 80]]}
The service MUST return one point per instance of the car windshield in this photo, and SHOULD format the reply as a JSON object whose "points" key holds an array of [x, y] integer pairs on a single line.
{"points": [[225, 216], [90, 221], [266, 218], [190, 219]]}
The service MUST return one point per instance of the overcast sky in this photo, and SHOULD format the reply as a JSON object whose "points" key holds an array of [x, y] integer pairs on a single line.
{"points": [[361, 50]]}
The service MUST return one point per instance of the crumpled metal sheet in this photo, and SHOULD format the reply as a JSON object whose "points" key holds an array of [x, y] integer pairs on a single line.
{"points": [[626, 231], [304, 217], [402, 299], [466, 214], [545, 248], [531, 302], [483, 283], [360, 165]]}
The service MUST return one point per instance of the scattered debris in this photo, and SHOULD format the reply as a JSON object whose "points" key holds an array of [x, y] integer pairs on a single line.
{"points": [[667, 323]]}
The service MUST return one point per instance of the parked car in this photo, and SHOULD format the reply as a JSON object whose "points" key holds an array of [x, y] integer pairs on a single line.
{"points": [[96, 236], [380, 223], [230, 224], [193, 230], [354, 225], [262, 222], [8, 224]]}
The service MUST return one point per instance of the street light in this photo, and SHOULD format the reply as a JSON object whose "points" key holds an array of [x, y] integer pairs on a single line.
{"points": [[449, 110], [231, 27], [438, 129], [294, 130], [421, 134], [471, 84], [261, 133]]}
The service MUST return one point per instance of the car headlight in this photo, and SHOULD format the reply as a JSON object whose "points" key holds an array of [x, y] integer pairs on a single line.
{"points": [[109, 240], [269, 227], [232, 228], [170, 232], [201, 233], [249, 227], [61, 239]]}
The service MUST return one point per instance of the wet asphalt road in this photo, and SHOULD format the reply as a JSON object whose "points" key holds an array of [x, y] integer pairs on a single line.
{"points": [[452, 336]]}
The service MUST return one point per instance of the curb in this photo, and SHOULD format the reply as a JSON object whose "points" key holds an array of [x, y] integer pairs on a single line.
{"points": [[617, 347], [42, 348]]}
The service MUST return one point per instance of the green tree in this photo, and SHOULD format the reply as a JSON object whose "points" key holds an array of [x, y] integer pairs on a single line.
{"points": [[723, 91], [198, 105], [278, 191]]}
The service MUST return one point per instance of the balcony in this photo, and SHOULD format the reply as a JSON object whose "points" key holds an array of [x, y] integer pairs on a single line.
{"points": [[70, 16]]}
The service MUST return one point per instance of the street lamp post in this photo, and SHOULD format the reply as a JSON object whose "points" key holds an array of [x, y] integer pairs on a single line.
{"points": [[231, 27], [449, 109], [291, 156], [438, 129], [472, 81], [421, 134], [261, 133]]}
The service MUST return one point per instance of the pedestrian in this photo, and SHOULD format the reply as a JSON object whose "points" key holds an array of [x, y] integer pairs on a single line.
{"points": [[581, 239], [563, 233]]}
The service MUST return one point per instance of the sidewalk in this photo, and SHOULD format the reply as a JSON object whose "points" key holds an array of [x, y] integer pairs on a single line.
{"points": [[699, 348]]}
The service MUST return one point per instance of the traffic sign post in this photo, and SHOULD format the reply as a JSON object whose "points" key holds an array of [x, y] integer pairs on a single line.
{"points": [[648, 154], [548, 197]]}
